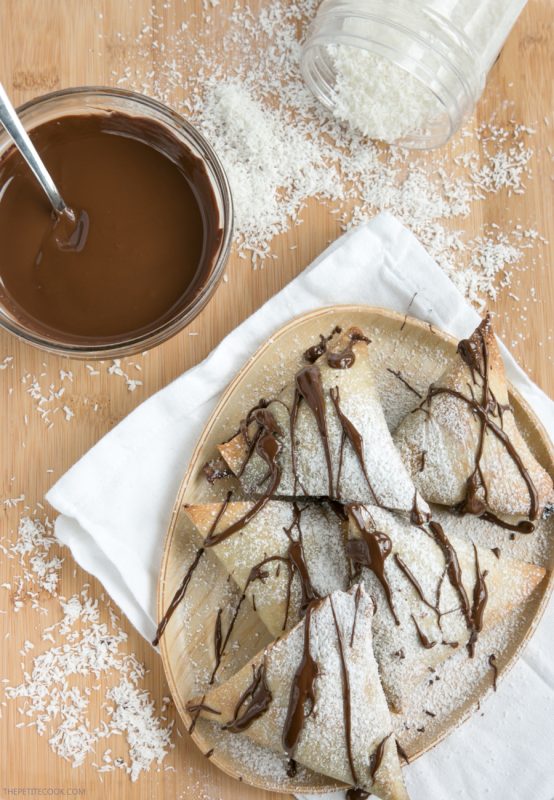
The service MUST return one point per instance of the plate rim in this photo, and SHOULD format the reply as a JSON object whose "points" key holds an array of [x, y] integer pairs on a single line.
{"points": [[406, 320]]}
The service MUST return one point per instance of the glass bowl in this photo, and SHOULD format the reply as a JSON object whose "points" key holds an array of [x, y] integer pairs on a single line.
{"points": [[102, 100]]}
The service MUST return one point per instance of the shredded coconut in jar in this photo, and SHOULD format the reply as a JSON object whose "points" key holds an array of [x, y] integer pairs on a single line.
{"points": [[378, 98], [281, 147]]}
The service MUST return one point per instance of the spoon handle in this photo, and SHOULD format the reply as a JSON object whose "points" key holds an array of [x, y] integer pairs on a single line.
{"points": [[12, 124]]}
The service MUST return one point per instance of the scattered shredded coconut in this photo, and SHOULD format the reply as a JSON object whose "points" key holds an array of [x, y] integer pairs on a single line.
{"points": [[116, 369], [88, 643], [280, 147]]}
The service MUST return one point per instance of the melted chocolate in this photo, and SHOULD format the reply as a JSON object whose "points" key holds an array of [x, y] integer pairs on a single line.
{"points": [[296, 556], [302, 691], [355, 793], [405, 382], [453, 569], [418, 517], [350, 433], [377, 757], [347, 699], [257, 573], [424, 640], [415, 583], [480, 597], [371, 551], [476, 356], [216, 469], [494, 667], [297, 560], [357, 598], [140, 246], [520, 527], [179, 595], [317, 350], [268, 447], [181, 591], [401, 752], [310, 389], [346, 358], [253, 703], [194, 708], [218, 637], [292, 768]]}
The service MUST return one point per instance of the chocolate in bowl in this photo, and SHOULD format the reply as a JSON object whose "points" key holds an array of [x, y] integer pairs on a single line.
{"points": [[158, 209]]}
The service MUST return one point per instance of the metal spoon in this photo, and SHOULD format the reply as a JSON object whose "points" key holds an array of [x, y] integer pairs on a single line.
{"points": [[15, 129]]}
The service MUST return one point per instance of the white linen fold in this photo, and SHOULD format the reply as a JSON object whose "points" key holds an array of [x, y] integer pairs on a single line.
{"points": [[115, 503]]}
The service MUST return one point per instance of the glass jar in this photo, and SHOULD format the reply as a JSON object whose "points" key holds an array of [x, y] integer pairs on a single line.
{"points": [[405, 71], [102, 101]]}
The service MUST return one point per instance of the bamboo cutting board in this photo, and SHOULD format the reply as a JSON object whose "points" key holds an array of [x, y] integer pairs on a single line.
{"points": [[49, 44]]}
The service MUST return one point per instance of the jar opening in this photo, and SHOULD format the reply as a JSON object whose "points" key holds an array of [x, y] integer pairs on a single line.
{"points": [[407, 79]]}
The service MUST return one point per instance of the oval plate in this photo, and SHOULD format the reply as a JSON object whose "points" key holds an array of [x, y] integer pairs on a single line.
{"points": [[399, 343]]}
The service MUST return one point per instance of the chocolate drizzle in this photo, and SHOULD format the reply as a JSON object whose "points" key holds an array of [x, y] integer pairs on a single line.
{"points": [[401, 752], [297, 561], [346, 358], [494, 667], [347, 700], [268, 447], [296, 557], [309, 388], [257, 573], [350, 433], [355, 793], [317, 350], [253, 702], [377, 757], [218, 637], [296, 564], [524, 526], [405, 382], [302, 691], [181, 591], [453, 569], [417, 516], [480, 597], [371, 550], [216, 470], [178, 596], [424, 640], [415, 583], [194, 708], [475, 353], [357, 598]]}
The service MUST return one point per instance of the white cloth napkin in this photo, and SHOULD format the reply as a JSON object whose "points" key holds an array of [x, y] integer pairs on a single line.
{"points": [[115, 503]]}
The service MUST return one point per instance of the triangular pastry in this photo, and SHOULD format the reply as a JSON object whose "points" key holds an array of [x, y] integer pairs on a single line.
{"points": [[433, 593], [462, 445], [286, 556], [315, 696], [325, 435]]}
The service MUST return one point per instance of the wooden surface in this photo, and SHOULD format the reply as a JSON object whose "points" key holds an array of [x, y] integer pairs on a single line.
{"points": [[48, 44]]}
